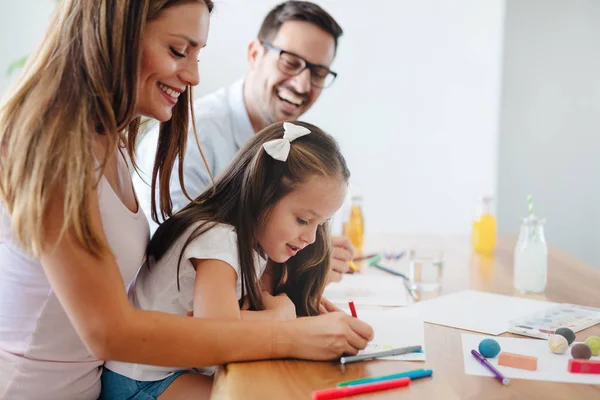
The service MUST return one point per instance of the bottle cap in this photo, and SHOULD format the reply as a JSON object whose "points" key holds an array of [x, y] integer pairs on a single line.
{"points": [[485, 205], [533, 220]]}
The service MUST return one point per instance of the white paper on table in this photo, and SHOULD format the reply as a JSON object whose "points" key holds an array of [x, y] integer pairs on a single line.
{"points": [[393, 331], [550, 366], [368, 290], [476, 311]]}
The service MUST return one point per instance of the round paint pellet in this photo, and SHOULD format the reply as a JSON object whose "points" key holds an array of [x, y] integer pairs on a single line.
{"points": [[594, 343], [567, 333], [581, 351], [558, 344], [489, 348]]}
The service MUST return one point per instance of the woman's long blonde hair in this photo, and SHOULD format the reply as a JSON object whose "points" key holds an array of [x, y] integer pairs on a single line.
{"points": [[81, 82]]}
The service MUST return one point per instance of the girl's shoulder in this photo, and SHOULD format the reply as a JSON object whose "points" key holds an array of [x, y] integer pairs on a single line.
{"points": [[217, 238], [214, 229]]}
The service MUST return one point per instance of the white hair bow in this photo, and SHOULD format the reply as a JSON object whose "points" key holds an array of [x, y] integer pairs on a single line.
{"points": [[279, 149]]}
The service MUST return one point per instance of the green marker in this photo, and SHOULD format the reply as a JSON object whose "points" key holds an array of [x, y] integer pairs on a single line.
{"points": [[375, 260]]}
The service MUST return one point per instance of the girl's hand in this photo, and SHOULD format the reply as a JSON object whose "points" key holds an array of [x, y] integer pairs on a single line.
{"points": [[327, 307], [245, 304], [280, 306], [325, 337]]}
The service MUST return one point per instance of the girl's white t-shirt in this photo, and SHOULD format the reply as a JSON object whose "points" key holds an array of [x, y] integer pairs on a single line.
{"points": [[155, 287]]}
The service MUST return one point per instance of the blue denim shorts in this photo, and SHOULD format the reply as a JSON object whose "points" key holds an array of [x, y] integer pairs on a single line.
{"points": [[119, 387]]}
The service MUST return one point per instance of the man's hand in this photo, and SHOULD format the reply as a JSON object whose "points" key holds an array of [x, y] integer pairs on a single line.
{"points": [[343, 251]]}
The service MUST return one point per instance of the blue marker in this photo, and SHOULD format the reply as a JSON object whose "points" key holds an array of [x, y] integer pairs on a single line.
{"points": [[414, 374], [407, 283]]}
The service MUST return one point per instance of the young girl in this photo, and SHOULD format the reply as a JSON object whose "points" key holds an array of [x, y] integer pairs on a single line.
{"points": [[269, 209]]}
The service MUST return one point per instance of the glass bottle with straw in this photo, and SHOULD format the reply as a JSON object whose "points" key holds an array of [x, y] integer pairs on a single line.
{"points": [[531, 254]]}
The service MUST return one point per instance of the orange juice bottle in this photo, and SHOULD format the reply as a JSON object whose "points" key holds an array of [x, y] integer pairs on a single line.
{"points": [[483, 237], [354, 226]]}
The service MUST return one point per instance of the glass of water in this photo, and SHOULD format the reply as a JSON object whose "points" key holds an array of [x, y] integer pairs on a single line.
{"points": [[425, 268]]}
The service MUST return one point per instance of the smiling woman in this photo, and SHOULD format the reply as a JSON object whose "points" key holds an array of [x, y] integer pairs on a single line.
{"points": [[72, 236], [170, 50]]}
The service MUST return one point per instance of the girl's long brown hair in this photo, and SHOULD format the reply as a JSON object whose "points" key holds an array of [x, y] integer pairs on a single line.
{"points": [[81, 82], [244, 195]]}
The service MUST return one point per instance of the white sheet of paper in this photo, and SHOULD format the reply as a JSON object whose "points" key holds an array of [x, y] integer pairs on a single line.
{"points": [[368, 291], [551, 367], [474, 311], [394, 331]]}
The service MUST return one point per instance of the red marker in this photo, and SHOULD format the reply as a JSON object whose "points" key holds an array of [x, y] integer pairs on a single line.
{"points": [[352, 309], [345, 391]]}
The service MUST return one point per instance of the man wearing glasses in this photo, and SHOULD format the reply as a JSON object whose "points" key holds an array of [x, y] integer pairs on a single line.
{"points": [[288, 68]]}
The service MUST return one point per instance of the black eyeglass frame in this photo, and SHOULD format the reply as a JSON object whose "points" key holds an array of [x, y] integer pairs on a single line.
{"points": [[307, 64]]}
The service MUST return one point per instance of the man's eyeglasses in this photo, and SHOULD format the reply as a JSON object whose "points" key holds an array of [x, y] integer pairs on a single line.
{"points": [[292, 65]]}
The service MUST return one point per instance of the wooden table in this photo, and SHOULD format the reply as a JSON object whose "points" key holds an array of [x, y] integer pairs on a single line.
{"points": [[569, 281]]}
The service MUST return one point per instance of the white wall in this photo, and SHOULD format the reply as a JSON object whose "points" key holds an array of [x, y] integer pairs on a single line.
{"points": [[22, 26], [550, 124], [415, 106]]}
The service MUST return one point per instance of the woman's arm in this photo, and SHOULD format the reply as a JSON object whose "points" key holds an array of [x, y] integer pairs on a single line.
{"points": [[93, 294]]}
